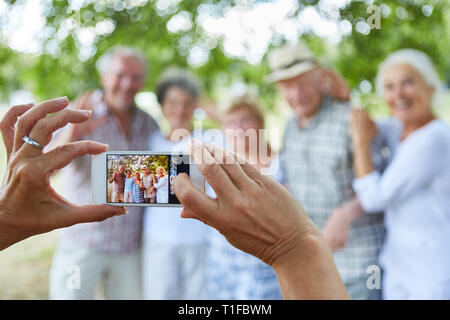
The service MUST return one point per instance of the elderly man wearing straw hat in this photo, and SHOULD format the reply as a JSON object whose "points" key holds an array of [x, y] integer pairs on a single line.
{"points": [[317, 161]]}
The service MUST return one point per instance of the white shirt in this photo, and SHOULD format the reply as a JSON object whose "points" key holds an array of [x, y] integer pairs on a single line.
{"points": [[165, 224], [414, 192], [162, 190]]}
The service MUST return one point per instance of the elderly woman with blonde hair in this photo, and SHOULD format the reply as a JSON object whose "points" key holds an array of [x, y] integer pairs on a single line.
{"points": [[161, 184], [232, 273], [414, 190]]}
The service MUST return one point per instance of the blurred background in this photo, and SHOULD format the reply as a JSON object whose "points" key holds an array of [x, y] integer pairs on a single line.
{"points": [[49, 49]]}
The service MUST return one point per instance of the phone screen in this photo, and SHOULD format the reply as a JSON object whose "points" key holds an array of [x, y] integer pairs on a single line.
{"points": [[143, 178]]}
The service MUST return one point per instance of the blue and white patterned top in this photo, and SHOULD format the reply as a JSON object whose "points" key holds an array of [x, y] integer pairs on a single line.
{"points": [[138, 193], [129, 184], [236, 275]]}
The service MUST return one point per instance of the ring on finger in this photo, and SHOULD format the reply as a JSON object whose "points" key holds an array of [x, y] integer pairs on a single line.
{"points": [[32, 142]]}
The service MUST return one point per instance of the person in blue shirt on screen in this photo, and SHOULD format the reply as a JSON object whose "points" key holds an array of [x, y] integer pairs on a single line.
{"points": [[128, 190], [138, 189]]}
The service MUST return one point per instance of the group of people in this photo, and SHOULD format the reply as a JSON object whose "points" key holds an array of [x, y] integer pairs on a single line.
{"points": [[132, 188], [373, 193]]}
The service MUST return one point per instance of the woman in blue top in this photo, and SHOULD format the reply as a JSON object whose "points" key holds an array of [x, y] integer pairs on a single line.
{"points": [[128, 190], [232, 273], [138, 189]]}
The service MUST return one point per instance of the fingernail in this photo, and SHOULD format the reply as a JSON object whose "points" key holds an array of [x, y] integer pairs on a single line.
{"points": [[62, 99], [121, 211], [87, 112]]}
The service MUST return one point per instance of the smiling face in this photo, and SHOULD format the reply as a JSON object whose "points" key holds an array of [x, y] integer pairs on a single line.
{"points": [[236, 124], [303, 93], [241, 118], [122, 81], [160, 172], [178, 108], [407, 94]]}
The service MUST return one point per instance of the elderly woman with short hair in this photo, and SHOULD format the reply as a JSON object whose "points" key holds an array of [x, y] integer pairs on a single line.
{"points": [[414, 190], [232, 273], [174, 265], [161, 185]]}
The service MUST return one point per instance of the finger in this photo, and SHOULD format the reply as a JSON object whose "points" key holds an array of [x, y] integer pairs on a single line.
{"points": [[96, 123], [212, 170], [43, 130], [231, 166], [356, 113], [27, 121], [336, 241], [8, 122], [82, 102], [357, 117], [339, 85], [82, 130], [61, 156], [250, 170], [332, 244], [336, 79], [89, 213], [336, 246], [198, 204], [189, 214]]}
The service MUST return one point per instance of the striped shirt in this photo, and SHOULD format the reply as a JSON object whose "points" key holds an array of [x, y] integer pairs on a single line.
{"points": [[138, 193], [120, 233], [317, 164], [147, 181]]}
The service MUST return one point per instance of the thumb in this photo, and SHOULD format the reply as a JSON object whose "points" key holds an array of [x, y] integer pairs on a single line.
{"points": [[197, 204], [91, 213], [61, 156]]}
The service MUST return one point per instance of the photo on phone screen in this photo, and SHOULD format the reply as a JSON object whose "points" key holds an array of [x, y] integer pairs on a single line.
{"points": [[138, 178]]}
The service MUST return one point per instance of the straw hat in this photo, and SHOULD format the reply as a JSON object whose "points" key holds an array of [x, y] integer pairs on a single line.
{"points": [[290, 61]]}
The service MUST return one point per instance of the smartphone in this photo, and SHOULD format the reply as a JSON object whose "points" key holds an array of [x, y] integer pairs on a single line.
{"points": [[140, 178]]}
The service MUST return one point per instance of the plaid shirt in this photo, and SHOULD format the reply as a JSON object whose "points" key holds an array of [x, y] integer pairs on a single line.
{"points": [[120, 233], [317, 166], [148, 184]]}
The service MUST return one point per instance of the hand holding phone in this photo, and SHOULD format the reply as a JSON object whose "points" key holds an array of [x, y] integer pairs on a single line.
{"points": [[140, 178]]}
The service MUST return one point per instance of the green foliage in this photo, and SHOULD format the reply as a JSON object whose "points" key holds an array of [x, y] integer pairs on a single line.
{"points": [[136, 163], [360, 55], [356, 56]]}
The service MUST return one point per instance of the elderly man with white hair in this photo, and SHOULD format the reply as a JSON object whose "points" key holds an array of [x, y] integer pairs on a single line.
{"points": [[414, 190], [109, 249], [317, 162]]}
